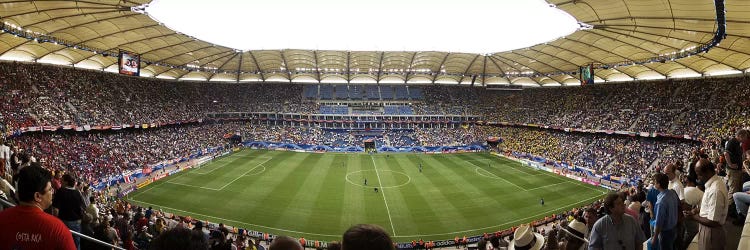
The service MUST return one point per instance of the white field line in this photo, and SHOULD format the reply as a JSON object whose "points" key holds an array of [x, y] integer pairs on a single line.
{"points": [[248, 171], [488, 164], [238, 222], [550, 185], [566, 179], [152, 187], [403, 236], [221, 166], [188, 185], [498, 177], [218, 189], [530, 189], [264, 170], [580, 183], [382, 191], [504, 224]]}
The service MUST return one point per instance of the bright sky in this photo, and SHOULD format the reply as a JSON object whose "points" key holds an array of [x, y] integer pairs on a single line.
{"points": [[473, 26]]}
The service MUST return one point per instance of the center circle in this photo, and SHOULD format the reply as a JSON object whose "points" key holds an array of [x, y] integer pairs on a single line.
{"points": [[357, 178]]}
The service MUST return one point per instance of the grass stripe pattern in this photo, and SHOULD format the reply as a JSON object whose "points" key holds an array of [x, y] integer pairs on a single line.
{"points": [[319, 196]]}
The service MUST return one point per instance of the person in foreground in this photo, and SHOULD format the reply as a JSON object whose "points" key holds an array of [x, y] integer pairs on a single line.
{"points": [[27, 226], [366, 237], [616, 230], [180, 238], [524, 238], [713, 209], [666, 212], [285, 243]]}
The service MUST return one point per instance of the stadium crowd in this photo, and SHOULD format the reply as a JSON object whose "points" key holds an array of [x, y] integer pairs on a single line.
{"points": [[615, 155], [99, 154], [644, 209], [713, 109], [38, 95], [95, 155]]}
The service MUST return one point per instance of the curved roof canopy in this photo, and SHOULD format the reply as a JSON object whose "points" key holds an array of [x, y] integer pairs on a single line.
{"points": [[623, 39]]}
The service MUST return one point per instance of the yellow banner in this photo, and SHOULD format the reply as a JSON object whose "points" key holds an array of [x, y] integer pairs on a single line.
{"points": [[145, 183]]}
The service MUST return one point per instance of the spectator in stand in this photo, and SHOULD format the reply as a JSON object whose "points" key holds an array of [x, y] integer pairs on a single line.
{"points": [[616, 230], [7, 193], [366, 237], [742, 201], [180, 238], [674, 180], [69, 206], [590, 216], [223, 229], [666, 211], [92, 210], [159, 227], [4, 158], [57, 182], [713, 208], [283, 242], [124, 228], [526, 238], [26, 226], [334, 245], [742, 198], [106, 233], [733, 157], [199, 227], [574, 237], [217, 241], [693, 196]]}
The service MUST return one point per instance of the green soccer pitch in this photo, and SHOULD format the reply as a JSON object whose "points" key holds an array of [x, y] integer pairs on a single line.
{"points": [[319, 196]]}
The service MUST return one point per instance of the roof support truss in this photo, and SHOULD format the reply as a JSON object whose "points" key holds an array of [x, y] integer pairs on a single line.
{"points": [[440, 68], [286, 65], [719, 47], [257, 66], [317, 68], [409, 67], [466, 71], [348, 68], [380, 67]]}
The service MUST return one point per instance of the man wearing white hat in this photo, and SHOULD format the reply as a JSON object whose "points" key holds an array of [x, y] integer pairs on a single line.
{"points": [[575, 233], [525, 239]]}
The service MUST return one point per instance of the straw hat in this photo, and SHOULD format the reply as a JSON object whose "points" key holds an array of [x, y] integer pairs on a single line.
{"points": [[525, 239]]}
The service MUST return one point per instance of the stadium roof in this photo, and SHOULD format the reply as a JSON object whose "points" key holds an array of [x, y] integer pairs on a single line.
{"points": [[623, 39]]}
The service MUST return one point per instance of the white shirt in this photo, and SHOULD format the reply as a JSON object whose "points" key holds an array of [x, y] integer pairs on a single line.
{"points": [[677, 187], [693, 196], [5, 153], [93, 211], [714, 205]]}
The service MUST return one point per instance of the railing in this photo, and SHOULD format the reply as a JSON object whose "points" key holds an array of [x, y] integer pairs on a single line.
{"points": [[83, 236]]}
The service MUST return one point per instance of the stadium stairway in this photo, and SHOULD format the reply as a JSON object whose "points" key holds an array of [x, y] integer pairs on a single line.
{"points": [[737, 236], [634, 125], [744, 240]]}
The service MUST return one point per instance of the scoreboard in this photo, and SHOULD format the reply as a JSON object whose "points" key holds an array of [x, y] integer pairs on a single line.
{"points": [[129, 63]]}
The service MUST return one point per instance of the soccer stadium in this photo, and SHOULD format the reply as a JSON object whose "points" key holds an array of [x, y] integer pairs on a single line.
{"points": [[121, 129]]}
